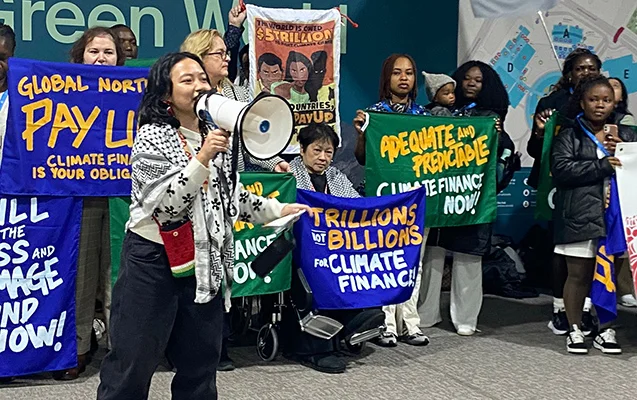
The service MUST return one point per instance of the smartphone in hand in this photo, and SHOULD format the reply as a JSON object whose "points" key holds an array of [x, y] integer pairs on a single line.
{"points": [[611, 131]]}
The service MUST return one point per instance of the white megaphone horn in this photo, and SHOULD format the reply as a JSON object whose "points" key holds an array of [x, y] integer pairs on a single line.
{"points": [[265, 125]]}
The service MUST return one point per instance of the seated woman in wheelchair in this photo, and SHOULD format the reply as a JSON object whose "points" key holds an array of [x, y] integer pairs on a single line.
{"points": [[313, 171]]}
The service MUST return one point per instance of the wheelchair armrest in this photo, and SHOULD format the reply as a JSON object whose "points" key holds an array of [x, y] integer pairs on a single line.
{"points": [[308, 301]]}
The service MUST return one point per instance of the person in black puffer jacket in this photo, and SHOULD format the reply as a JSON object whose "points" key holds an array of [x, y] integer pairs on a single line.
{"points": [[579, 64], [581, 172], [476, 83]]}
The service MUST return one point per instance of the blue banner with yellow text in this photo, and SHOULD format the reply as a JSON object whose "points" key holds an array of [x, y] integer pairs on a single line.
{"points": [[360, 253], [70, 128], [39, 241]]}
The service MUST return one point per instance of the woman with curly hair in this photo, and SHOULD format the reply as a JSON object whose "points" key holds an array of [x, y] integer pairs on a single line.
{"points": [[479, 92]]}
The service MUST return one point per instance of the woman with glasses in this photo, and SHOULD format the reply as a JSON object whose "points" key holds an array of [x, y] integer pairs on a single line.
{"points": [[209, 45]]}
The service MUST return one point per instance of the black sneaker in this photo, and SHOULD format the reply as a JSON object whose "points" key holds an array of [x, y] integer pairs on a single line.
{"points": [[575, 341], [559, 323], [327, 363], [606, 342], [589, 324], [225, 364]]}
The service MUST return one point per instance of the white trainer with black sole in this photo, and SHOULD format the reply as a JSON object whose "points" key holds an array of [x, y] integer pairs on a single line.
{"points": [[605, 342], [575, 343]]}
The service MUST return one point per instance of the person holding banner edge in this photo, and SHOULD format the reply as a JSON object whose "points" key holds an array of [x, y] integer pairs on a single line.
{"points": [[97, 46], [168, 300], [579, 64], [397, 92], [583, 168], [313, 171], [479, 92]]}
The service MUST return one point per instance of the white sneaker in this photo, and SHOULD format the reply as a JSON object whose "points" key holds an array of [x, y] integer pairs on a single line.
{"points": [[628, 300], [388, 340], [575, 341], [465, 330], [606, 342], [99, 327]]}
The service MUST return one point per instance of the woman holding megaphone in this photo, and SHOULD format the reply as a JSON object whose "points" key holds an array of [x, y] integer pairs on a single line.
{"points": [[208, 44], [179, 244]]}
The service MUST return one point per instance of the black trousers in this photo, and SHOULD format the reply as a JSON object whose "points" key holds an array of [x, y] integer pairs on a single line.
{"points": [[152, 315]]}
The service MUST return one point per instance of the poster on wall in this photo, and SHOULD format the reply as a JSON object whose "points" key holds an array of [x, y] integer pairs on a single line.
{"points": [[519, 50], [296, 54]]}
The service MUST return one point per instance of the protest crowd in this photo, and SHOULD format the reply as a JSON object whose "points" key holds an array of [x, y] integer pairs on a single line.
{"points": [[195, 189]]}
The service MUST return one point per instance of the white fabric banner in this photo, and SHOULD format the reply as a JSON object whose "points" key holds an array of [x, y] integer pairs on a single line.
{"points": [[626, 178], [296, 54], [502, 8]]}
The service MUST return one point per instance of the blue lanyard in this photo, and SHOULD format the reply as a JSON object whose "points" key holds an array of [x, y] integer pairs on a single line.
{"points": [[411, 110], [464, 109], [592, 136], [4, 98]]}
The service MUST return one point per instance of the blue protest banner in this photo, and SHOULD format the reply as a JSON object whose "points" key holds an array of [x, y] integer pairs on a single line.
{"points": [[39, 239], [359, 253], [70, 128]]}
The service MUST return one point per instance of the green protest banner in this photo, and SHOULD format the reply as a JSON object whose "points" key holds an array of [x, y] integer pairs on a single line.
{"points": [[118, 208], [546, 189], [250, 240], [453, 157], [140, 62]]}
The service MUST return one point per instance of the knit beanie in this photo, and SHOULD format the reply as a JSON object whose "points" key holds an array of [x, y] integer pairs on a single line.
{"points": [[434, 82]]}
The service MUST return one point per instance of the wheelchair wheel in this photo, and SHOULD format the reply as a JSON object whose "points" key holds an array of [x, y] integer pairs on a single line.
{"points": [[355, 348], [268, 342]]}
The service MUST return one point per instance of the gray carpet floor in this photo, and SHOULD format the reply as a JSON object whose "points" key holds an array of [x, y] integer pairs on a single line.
{"points": [[514, 356]]}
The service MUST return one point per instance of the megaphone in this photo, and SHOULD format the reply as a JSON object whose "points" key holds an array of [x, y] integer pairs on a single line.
{"points": [[264, 125]]}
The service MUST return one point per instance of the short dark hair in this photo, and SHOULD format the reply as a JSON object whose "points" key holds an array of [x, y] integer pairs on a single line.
{"points": [[317, 132], [270, 59], [569, 64], [77, 51], [384, 87], [120, 26], [7, 33], [622, 104], [493, 95], [584, 85], [153, 107]]}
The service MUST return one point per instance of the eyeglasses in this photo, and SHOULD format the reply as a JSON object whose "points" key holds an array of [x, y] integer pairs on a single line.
{"points": [[222, 54]]}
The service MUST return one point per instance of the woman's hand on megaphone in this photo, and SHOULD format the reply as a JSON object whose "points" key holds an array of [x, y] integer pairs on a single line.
{"points": [[217, 141], [359, 121]]}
